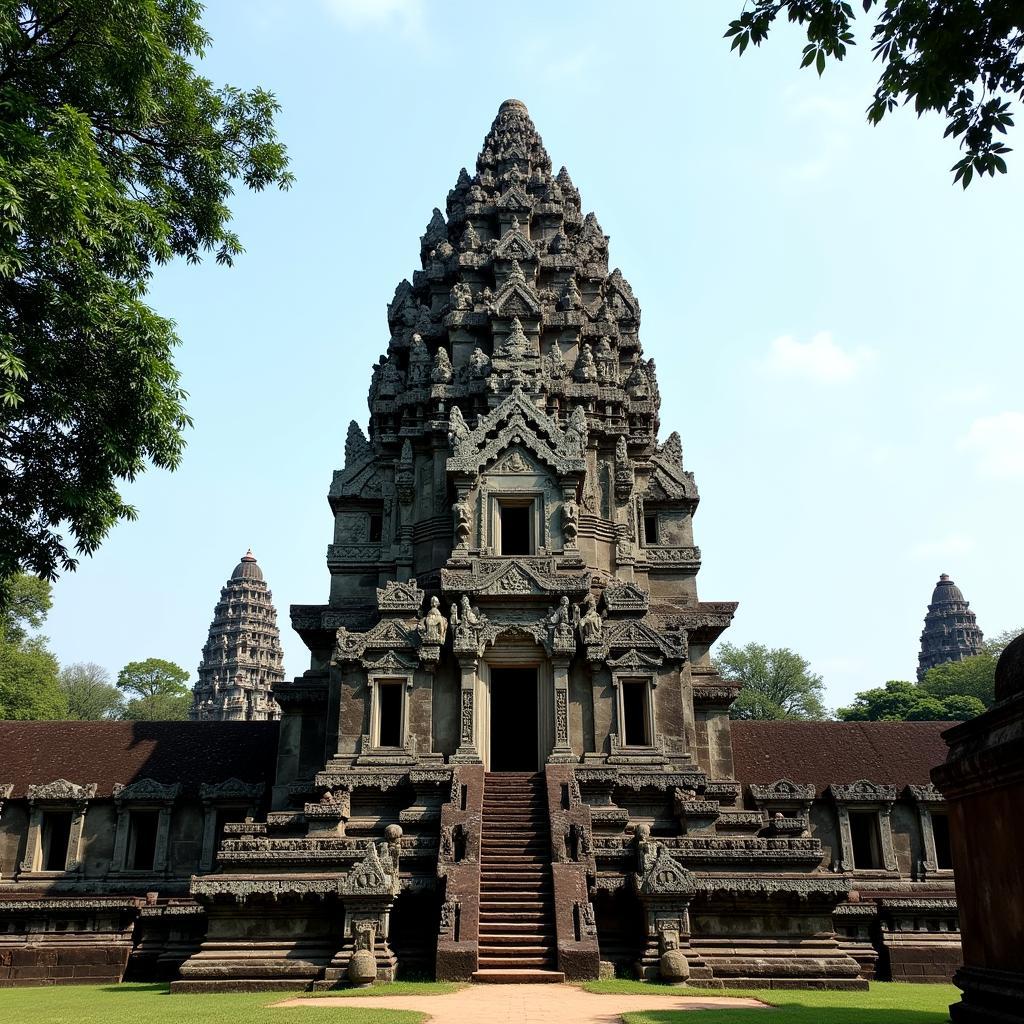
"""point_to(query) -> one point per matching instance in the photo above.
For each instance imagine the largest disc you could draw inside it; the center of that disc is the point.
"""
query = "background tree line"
(778, 684)
(34, 686)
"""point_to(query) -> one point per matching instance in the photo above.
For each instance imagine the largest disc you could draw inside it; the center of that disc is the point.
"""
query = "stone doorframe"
(143, 795)
(928, 799)
(525, 655)
(864, 796)
(232, 794)
(59, 795)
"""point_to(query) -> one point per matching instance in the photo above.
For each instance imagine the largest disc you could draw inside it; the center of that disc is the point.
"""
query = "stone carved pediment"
(400, 597)
(633, 660)
(929, 794)
(368, 877)
(620, 596)
(146, 790)
(633, 633)
(863, 791)
(391, 662)
(386, 635)
(514, 245)
(512, 577)
(517, 422)
(362, 480)
(516, 298)
(514, 462)
(231, 789)
(666, 877)
(781, 791)
(516, 199)
(62, 790)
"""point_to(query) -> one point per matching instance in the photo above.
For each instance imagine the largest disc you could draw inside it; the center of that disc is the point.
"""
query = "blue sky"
(833, 322)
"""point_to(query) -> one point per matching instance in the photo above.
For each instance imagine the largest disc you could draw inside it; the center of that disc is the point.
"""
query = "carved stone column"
(561, 752)
(468, 751)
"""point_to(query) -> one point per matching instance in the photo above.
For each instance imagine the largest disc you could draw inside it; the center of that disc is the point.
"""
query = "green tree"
(115, 156)
(902, 701)
(971, 677)
(28, 670)
(777, 683)
(156, 690)
(963, 60)
(90, 694)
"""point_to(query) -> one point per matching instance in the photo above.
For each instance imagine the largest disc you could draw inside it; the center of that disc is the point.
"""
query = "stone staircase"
(517, 914)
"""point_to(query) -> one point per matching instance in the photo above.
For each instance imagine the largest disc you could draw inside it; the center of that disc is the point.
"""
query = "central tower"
(511, 541)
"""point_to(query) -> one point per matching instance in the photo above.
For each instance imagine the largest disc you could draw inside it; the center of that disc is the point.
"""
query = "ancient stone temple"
(242, 657)
(511, 756)
(951, 630)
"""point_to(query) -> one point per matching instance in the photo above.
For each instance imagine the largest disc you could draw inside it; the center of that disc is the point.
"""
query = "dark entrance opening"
(634, 711)
(513, 720)
(867, 849)
(142, 846)
(56, 837)
(943, 847)
(515, 530)
(390, 697)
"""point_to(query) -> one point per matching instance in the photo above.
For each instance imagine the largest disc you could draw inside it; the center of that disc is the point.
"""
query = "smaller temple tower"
(242, 657)
(951, 630)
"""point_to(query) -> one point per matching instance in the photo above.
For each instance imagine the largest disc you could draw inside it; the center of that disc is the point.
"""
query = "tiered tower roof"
(951, 630)
(242, 657)
(514, 291)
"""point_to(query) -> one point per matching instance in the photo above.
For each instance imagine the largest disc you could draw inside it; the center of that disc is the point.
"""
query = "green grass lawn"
(151, 1004)
(883, 1003)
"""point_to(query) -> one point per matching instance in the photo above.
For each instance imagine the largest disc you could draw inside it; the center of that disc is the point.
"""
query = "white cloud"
(997, 443)
(407, 15)
(943, 549)
(819, 359)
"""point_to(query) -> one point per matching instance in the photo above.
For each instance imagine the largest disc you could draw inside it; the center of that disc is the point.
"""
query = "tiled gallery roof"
(896, 753)
(110, 752)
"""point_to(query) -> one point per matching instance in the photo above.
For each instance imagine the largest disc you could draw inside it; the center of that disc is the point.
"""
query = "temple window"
(867, 851)
(515, 527)
(636, 713)
(389, 713)
(56, 836)
(142, 835)
(651, 528)
(864, 811)
(376, 527)
(943, 848)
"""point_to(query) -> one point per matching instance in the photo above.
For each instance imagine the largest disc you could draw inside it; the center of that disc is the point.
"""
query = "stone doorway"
(513, 720)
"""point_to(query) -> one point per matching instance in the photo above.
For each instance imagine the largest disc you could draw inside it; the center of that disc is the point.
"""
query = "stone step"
(518, 977)
(520, 962)
(490, 938)
(529, 884)
(495, 952)
(527, 914)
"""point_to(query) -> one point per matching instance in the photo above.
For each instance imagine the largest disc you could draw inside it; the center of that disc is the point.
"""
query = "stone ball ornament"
(673, 966)
(362, 968)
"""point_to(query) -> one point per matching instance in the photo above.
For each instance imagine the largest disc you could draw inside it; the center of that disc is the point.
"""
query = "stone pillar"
(469, 747)
(983, 783)
(561, 752)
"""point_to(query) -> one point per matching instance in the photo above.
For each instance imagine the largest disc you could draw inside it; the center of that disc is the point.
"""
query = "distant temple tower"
(951, 630)
(242, 657)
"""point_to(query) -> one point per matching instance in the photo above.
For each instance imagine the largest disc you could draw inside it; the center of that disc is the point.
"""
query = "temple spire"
(951, 630)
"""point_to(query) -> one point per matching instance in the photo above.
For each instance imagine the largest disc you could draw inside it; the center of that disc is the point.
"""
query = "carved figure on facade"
(463, 514)
(442, 371)
(570, 521)
(433, 627)
(591, 621)
(585, 370)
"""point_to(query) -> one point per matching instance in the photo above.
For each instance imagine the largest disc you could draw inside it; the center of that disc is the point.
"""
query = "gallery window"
(866, 840)
(142, 833)
(943, 848)
(55, 839)
(515, 526)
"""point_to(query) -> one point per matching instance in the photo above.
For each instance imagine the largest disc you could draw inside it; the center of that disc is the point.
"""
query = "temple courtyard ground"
(411, 1003)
